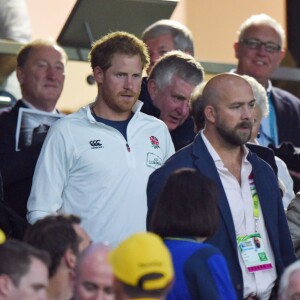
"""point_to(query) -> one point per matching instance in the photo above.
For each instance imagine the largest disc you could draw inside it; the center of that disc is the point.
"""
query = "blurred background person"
(14, 26)
(261, 111)
(142, 268)
(259, 51)
(63, 238)
(41, 73)
(23, 272)
(94, 277)
(289, 286)
(165, 35)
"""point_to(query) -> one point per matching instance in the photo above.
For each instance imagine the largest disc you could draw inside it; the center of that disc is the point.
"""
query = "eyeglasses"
(257, 44)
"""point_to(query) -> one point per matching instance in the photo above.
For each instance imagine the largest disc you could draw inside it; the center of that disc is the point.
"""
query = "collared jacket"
(287, 108)
(17, 167)
(87, 168)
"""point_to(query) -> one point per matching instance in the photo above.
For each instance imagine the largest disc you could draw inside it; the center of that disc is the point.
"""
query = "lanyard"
(255, 200)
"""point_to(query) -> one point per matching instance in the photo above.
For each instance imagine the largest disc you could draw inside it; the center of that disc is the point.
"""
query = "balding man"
(249, 199)
(167, 35)
(41, 73)
(94, 276)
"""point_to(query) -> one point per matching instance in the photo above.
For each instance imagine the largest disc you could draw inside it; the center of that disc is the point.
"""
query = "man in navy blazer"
(219, 152)
(259, 51)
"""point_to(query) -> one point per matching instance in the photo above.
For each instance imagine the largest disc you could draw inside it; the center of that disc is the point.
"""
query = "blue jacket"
(197, 156)
(201, 272)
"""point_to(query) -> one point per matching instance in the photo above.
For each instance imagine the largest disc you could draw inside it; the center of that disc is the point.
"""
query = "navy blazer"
(287, 108)
(197, 156)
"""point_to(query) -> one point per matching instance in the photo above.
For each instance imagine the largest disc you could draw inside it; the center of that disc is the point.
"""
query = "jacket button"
(238, 286)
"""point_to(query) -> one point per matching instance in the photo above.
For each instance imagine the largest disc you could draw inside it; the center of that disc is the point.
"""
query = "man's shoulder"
(6, 113)
(66, 124)
(11, 111)
(284, 94)
(261, 166)
(5, 110)
(151, 119)
(266, 154)
(8, 116)
(180, 159)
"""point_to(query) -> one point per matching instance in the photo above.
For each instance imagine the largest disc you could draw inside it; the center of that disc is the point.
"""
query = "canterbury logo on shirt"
(96, 144)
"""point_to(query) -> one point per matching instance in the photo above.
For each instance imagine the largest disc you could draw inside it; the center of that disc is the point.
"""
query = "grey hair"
(176, 63)
(197, 105)
(285, 279)
(259, 94)
(261, 19)
(182, 36)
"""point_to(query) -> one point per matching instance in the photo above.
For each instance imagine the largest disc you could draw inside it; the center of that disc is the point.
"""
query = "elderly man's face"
(158, 46)
(258, 63)
(172, 101)
(42, 77)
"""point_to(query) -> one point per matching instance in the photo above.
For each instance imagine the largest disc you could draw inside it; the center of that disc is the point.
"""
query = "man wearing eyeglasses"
(259, 51)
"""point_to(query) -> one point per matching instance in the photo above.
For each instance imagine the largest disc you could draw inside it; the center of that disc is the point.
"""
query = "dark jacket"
(287, 108)
(17, 167)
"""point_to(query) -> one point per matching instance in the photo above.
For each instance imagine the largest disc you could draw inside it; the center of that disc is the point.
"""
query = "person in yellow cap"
(142, 268)
(2, 237)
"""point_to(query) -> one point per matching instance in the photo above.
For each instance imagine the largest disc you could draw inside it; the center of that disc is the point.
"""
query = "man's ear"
(20, 75)
(281, 56)
(152, 89)
(236, 50)
(98, 74)
(70, 258)
(6, 286)
(210, 113)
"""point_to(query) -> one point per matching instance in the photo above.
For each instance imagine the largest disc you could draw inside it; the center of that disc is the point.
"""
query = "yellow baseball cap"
(139, 255)
(2, 237)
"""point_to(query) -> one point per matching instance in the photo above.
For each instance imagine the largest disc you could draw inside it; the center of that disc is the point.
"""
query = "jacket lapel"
(205, 164)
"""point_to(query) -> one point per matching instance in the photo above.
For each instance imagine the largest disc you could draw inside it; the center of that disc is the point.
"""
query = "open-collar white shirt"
(240, 201)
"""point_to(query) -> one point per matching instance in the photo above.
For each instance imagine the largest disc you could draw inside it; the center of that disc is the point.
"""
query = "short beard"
(231, 136)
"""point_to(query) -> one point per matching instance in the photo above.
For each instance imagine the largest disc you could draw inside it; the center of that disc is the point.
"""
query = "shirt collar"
(269, 87)
(34, 108)
(215, 156)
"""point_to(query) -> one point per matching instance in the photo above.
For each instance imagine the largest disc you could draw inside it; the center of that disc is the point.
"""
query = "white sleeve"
(287, 180)
(50, 176)
(14, 21)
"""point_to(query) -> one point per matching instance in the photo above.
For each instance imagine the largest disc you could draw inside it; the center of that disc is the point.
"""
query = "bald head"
(94, 277)
(223, 85)
(228, 107)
